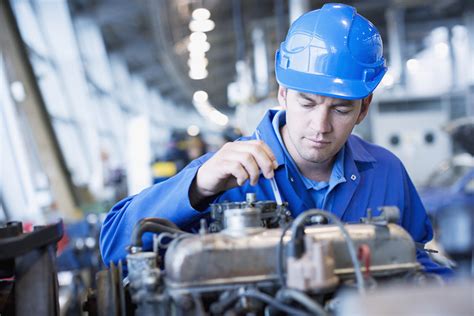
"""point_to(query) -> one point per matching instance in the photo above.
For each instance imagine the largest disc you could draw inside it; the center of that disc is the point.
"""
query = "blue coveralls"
(375, 177)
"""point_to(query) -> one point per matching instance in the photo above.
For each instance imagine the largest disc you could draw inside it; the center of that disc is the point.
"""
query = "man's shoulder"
(366, 151)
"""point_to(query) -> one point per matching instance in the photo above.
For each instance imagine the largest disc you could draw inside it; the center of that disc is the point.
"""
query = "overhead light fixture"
(198, 37)
(218, 118)
(201, 14)
(413, 64)
(193, 130)
(196, 63)
(201, 26)
(198, 74)
(200, 96)
(202, 105)
(196, 54)
(199, 46)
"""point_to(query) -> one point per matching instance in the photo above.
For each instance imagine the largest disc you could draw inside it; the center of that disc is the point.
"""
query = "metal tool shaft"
(276, 191)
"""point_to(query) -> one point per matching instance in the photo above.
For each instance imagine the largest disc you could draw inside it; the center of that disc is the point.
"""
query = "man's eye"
(342, 111)
(306, 105)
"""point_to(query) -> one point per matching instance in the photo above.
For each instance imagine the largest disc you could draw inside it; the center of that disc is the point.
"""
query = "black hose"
(303, 299)
(162, 221)
(223, 304)
(220, 307)
(154, 225)
(280, 257)
(273, 302)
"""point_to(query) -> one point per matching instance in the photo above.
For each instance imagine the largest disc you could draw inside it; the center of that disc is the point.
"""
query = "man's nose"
(321, 121)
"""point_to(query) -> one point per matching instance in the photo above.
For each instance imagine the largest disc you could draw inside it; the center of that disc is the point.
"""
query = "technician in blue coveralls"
(327, 69)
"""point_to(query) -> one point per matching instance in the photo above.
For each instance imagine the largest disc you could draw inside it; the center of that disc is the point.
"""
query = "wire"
(273, 302)
(281, 275)
(198, 304)
(299, 222)
(303, 299)
(220, 306)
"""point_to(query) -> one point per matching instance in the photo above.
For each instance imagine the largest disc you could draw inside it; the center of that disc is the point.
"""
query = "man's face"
(317, 126)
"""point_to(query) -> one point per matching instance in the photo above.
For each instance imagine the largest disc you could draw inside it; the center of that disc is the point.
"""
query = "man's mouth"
(319, 143)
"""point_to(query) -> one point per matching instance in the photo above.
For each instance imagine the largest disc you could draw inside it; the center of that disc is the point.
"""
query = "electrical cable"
(223, 304)
(280, 257)
(303, 299)
(298, 224)
(273, 302)
(198, 305)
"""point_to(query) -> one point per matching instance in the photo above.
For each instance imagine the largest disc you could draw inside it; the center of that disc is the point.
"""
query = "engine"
(253, 259)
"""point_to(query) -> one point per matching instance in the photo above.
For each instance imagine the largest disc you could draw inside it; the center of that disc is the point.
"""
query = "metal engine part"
(271, 214)
(240, 269)
(228, 258)
(144, 277)
(314, 271)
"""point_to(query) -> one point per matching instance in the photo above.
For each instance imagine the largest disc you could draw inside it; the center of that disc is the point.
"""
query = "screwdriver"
(273, 183)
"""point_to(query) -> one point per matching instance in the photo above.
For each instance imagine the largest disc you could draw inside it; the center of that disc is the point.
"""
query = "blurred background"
(99, 99)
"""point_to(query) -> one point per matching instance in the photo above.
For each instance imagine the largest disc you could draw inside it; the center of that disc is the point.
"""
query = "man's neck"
(316, 171)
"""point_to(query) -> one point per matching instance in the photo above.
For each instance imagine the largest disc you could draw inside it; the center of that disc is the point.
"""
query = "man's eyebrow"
(304, 96)
(344, 104)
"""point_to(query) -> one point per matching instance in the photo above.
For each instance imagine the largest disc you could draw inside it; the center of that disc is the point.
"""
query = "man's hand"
(230, 167)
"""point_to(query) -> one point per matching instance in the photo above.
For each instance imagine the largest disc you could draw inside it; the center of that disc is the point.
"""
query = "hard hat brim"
(326, 85)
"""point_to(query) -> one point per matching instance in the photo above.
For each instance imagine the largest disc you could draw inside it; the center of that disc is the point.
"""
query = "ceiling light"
(200, 96)
(196, 54)
(197, 62)
(201, 26)
(198, 74)
(198, 37)
(413, 64)
(218, 117)
(201, 14)
(199, 46)
(193, 130)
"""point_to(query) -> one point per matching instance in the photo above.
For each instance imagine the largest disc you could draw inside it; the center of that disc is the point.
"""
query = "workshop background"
(100, 99)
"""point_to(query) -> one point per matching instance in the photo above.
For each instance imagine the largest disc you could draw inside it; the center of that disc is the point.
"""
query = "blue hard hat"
(334, 52)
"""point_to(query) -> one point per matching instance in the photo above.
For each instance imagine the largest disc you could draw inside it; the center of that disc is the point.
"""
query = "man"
(327, 69)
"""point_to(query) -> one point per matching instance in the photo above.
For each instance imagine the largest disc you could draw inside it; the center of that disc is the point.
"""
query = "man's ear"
(282, 91)
(364, 108)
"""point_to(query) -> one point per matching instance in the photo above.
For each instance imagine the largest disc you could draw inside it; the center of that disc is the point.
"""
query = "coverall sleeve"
(416, 222)
(168, 199)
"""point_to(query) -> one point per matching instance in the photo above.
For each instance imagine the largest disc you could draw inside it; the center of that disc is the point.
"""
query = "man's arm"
(168, 199)
(183, 198)
(416, 222)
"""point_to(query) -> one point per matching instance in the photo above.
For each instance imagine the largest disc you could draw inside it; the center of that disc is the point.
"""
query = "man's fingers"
(269, 153)
(239, 173)
(264, 160)
(248, 162)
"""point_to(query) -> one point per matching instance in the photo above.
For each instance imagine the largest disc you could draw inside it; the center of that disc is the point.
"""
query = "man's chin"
(317, 159)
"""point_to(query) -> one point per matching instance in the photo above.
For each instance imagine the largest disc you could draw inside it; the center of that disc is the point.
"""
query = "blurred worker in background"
(182, 149)
(327, 69)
